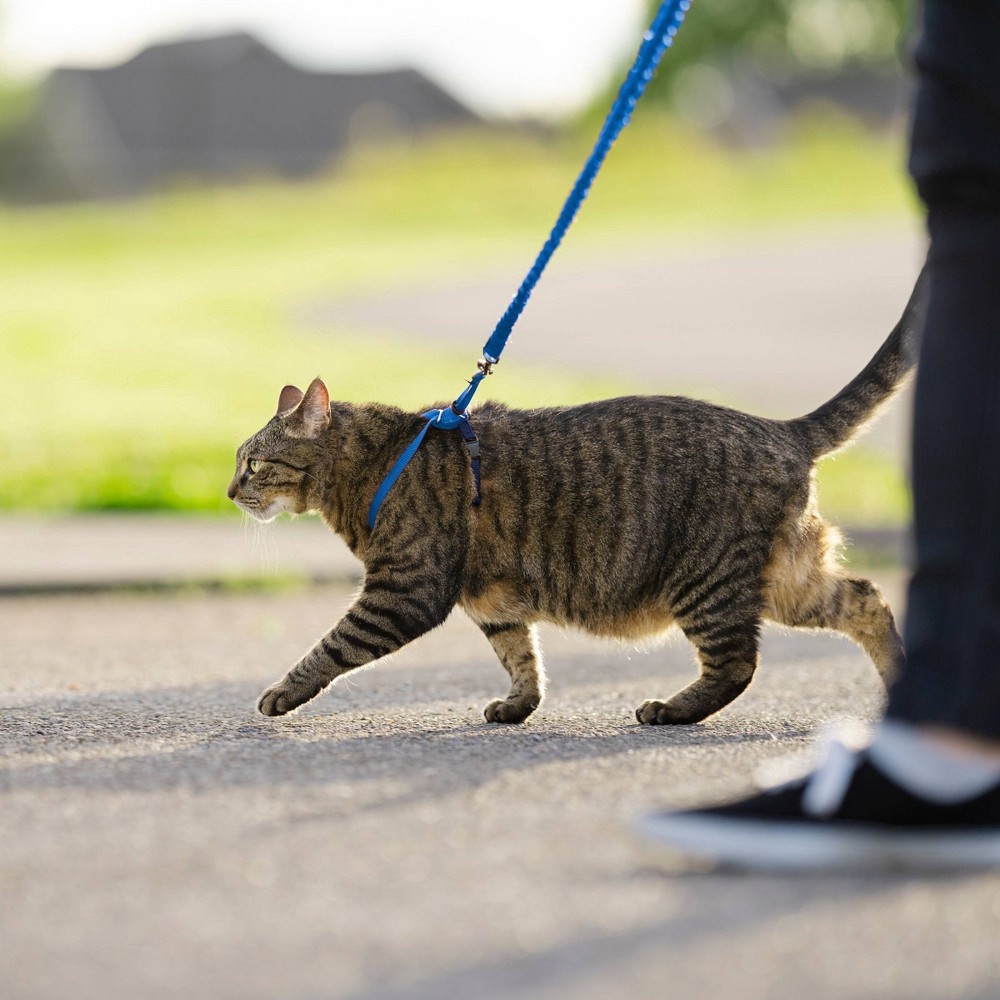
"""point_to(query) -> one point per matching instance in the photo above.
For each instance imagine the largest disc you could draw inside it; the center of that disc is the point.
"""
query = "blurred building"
(209, 108)
(740, 103)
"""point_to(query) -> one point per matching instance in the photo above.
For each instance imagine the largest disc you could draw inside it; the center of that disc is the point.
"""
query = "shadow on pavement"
(205, 739)
(650, 956)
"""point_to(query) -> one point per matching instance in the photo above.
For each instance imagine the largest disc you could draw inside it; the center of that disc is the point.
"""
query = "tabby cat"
(622, 517)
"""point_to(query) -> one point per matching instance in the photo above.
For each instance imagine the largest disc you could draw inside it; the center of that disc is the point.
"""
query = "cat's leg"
(727, 653)
(805, 586)
(518, 650)
(855, 607)
(383, 618)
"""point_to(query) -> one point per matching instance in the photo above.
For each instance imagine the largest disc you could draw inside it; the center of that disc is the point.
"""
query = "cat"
(622, 517)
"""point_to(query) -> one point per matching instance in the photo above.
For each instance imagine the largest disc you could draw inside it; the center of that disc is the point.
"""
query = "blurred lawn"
(142, 341)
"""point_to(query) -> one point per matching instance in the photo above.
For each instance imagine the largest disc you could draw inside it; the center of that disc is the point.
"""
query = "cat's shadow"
(204, 738)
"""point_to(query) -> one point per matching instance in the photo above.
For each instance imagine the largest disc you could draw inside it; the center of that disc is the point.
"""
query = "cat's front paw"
(285, 696)
(508, 711)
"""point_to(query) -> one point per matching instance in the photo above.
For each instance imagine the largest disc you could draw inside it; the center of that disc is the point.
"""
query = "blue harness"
(656, 41)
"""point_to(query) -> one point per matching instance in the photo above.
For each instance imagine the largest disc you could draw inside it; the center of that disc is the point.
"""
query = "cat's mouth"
(252, 507)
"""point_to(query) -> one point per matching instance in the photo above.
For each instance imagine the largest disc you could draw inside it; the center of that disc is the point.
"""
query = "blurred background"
(202, 200)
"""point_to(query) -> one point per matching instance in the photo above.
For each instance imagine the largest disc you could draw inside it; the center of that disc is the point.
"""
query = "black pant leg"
(952, 635)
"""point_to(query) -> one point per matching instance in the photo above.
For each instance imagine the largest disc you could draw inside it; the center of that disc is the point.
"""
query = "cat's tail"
(836, 422)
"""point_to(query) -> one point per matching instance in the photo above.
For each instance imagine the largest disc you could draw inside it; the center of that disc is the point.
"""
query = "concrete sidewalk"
(101, 552)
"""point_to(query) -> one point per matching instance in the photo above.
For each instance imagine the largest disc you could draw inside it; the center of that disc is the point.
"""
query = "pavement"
(158, 839)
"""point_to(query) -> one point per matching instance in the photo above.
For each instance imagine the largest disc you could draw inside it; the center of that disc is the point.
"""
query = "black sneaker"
(845, 815)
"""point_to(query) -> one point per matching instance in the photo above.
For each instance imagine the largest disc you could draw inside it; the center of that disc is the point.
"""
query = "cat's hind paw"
(508, 711)
(660, 713)
(284, 697)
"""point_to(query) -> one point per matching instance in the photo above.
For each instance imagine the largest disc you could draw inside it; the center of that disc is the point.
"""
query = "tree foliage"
(15, 98)
(15, 104)
(806, 36)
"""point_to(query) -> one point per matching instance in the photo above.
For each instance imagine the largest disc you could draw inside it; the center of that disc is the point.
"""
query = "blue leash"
(656, 41)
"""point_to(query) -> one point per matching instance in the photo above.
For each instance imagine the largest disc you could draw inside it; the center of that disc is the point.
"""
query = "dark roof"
(228, 105)
(213, 52)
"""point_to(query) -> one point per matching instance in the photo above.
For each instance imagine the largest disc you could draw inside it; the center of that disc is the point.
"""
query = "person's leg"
(927, 791)
(952, 636)
(949, 693)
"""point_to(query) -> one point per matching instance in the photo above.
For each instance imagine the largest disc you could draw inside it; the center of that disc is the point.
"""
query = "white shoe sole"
(780, 846)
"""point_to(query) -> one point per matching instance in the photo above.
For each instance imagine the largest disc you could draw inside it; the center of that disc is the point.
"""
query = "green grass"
(861, 488)
(141, 342)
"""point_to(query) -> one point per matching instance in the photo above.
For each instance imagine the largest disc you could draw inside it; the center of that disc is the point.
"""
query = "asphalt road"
(157, 840)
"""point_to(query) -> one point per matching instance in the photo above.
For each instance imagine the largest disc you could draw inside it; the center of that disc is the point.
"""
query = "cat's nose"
(231, 492)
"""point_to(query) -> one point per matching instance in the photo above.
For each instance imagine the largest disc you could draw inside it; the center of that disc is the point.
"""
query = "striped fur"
(623, 517)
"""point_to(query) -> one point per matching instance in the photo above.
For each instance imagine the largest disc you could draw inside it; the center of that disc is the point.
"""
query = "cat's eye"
(253, 464)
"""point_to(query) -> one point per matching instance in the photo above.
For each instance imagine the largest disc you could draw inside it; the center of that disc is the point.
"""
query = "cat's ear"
(314, 410)
(290, 397)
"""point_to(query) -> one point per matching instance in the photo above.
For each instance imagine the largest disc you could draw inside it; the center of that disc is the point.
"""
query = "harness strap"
(472, 446)
(446, 419)
(394, 473)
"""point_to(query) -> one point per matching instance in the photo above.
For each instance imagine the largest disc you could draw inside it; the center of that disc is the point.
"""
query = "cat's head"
(278, 466)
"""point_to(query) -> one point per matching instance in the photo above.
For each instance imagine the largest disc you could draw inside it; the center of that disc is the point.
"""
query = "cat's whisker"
(270, 547)
(256, 548)
(264, 545)
(262, 540)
